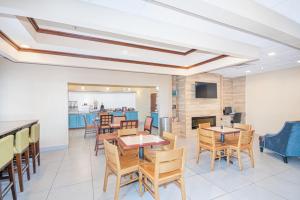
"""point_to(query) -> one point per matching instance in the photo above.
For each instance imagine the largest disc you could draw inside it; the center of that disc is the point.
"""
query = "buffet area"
(88, 101)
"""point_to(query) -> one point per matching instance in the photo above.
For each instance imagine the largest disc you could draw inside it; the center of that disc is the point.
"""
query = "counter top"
(7, 127)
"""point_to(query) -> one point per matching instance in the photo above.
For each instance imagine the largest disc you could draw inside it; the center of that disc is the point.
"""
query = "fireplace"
(206, 119)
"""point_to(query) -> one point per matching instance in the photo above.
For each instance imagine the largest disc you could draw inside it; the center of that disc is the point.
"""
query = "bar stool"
(22, 148)
(34, 145)
(6, 162)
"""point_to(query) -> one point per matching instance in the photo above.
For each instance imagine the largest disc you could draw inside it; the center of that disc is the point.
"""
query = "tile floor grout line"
(270, 191)
(56, 175)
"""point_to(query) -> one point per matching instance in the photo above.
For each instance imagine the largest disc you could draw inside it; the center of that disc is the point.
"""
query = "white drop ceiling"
(246, 38)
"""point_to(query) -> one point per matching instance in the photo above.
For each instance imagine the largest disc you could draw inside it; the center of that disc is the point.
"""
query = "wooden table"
(11, 127)
(223, 131)
(141, 141)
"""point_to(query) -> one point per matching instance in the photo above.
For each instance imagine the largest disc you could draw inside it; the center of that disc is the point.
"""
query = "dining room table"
(140, 141)
(222, 130)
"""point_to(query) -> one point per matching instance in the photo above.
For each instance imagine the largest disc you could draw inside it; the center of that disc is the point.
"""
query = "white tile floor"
(77, 174)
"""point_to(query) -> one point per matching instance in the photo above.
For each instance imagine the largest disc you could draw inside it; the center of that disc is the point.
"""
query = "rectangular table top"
(223, 130)
(129, 142)
(8, 127)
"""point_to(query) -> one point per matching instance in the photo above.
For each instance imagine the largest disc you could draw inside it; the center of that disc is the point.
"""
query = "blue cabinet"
(117, 114)
(132, 115)
(154, 116)
(77, 120)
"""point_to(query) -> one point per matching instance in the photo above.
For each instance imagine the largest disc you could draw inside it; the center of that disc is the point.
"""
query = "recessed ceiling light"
(271, 54)
(298, 61)
(157, 88)
(262, 68)
(248, 71)
(129, 89)
(82, 87)
(107, 89)
(25, 46)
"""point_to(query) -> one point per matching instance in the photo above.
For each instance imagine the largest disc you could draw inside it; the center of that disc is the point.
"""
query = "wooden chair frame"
(167, 167)
(150, 125)
(245, 144)
(89, 129)
(128, 124)
(105, 121)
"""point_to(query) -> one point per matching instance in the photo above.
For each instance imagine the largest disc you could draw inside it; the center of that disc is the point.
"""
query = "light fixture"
(248, 71)
(262, 68)
(157, 88)
(298, 61)
(271, 54)
(82, 87)
(107, 89)
(25, 46)
(129, 89)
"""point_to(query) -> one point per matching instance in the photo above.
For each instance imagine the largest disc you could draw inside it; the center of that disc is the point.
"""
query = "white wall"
(31, 91)
(273, 98)
(109, 99)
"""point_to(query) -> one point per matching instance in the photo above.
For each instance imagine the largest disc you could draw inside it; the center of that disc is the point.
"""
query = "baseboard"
(54, 148)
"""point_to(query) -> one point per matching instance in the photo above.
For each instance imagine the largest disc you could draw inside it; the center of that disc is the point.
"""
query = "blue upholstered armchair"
(286, 143)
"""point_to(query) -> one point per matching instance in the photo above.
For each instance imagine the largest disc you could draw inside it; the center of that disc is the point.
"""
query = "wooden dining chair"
(168, 167)
(127, 132)
(89, 128)
(244, 144)
(206, 141)
(6, 164)
(233, 138)
(150, 153)
(148, 124)
(118, 119)
(127, 124)
(21, 151)
(204, 125)
(119, 166)
(105, 121)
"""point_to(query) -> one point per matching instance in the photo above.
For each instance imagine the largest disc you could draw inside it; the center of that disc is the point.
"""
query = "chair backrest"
(112, 156)
(127, 124)
(6, 149)
(246, 138)
(243, 127)
(169, 161)
(204, 125)
(127, 131)
(118, 119)
(237, 118)
(172, 139)
(22, 140)
(206, 137)
(35, 133)
(105, 119)
(148, 124)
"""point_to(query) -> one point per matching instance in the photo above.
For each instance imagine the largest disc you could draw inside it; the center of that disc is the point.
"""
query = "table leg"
(141, 153)
(222, 138)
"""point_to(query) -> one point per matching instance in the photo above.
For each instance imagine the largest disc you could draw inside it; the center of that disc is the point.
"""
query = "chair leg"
(251, 157)
(33, 152)
(239, 159)
(118, 185)
(38, 152)
(285, 159)
(10, 169)
(212, 160)
(261, 149)
(228, 156)
(182, 189)
(198, 154)
(19, 170)
(96, 148)
(26, 153)
(140, 183)
(105, 179)
(156, 194)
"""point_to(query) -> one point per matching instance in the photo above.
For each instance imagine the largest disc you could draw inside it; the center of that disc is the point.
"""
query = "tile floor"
(77, 174)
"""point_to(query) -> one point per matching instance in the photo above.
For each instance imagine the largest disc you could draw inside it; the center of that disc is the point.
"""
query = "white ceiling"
(173, 25)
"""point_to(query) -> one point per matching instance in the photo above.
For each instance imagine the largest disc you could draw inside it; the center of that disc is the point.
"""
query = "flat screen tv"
(205, 90)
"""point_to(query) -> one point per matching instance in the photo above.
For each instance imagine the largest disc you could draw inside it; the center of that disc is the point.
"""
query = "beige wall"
(31, 91)
(273, 98)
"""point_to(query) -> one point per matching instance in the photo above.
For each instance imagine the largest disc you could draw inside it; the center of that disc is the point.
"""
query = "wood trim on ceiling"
(102, 40)
(60, 53)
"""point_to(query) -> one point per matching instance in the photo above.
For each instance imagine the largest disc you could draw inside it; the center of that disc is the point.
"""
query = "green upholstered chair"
(34, 145)
(21, 149)
(6, 163)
